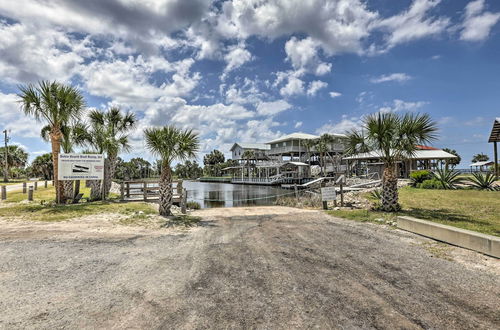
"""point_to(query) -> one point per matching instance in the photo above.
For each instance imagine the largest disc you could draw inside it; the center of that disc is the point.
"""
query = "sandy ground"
(265, 267)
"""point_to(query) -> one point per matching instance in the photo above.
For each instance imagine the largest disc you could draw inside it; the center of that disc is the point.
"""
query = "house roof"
(488, 162)
(300, 136)
(419, 154)
(259, 146)
(426, 148)
(495, 131)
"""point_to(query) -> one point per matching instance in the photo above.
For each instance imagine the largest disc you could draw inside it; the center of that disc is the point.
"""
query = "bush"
(430, 184)
(418, 177)
(193, 205)
(484, 181)
(449, 179)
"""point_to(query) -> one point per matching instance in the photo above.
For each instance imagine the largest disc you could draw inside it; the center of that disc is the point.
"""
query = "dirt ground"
(265, 267)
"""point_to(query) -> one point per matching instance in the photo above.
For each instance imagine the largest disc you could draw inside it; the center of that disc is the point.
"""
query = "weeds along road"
(251, 268)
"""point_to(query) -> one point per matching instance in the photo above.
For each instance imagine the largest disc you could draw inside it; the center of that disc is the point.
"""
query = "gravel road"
(265, 268)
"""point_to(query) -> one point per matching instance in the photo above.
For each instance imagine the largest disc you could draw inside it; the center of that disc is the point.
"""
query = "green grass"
(42, 208)
(468, 209)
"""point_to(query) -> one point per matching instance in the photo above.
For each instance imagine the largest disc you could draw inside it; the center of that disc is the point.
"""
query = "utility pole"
(6, 154)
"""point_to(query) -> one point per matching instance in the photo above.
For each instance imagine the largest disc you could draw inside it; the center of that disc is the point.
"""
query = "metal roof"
(488, 162)
(419, 154)
(495, 131)
(301, 136)
(258, 146)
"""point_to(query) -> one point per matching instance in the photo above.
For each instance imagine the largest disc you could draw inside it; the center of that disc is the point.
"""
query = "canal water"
(213, 194)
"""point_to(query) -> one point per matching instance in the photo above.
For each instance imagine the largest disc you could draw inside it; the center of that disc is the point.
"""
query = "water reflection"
(211, 194)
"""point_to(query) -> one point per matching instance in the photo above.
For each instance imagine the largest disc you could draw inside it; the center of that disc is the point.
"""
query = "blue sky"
(250, 71)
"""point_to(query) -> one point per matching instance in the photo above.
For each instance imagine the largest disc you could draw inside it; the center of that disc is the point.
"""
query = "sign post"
(328, 194)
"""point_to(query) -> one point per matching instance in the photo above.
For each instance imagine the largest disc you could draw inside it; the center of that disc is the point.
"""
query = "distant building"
(425, 158)
(259, 149)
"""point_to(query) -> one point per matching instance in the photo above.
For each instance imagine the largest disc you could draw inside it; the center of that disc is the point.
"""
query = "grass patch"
(468, 209)
(39, 212)
(41, 209)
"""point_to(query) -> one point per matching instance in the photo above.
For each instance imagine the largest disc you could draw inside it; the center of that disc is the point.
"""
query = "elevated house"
(259, 151)
(425, 158)
(495, 138)
(288, 159)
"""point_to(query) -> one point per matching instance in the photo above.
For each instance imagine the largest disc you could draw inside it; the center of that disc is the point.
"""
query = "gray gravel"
(291, 270)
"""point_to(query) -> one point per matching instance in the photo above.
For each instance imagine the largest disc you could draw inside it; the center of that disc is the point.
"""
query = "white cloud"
(294, 86)
(346, 124)
(413, 24)
(400, 105)
(478, 23)
(315, 86)
(29, 53)
(235, 58)
(298, 124)
(335, 94)
(303, 54)
(13, 119)
(399, 77)
(272, 108)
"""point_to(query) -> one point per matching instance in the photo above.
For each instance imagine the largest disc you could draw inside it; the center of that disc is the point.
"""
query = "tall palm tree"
(116, 127)
(247, 155)
(394, 138)
(67, 143)
(57, 105)
(107, 132)
(323, 145)
(170, 143)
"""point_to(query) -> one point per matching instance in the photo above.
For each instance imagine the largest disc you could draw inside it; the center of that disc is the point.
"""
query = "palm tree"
(323, 145)
(107, 132)
(170, 143)
(247, 155)
(116, 127)
(394, 138)
(58, 105)
(67, 142)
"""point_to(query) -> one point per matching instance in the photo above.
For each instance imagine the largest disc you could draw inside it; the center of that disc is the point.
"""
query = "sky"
(253, 70)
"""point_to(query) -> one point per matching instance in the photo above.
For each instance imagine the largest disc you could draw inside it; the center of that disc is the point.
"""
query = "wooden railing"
(150, 191)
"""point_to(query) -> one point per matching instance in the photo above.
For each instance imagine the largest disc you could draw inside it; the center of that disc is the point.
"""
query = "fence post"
(4, 192)
(36, 185)
(179, 187)
(24, 187)
(145, 190)
(183, 201)
(45, 184)
(325, 203)
(30, 193)
(52, 183)
(122, 191)
(296, 193)
(341, 194)
(128, 189)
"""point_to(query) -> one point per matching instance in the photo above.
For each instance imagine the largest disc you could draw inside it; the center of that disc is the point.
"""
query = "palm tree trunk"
(95, 189)
(68, 190)
(389, 190)
(110, 165)
(55, 140)
(165, 190)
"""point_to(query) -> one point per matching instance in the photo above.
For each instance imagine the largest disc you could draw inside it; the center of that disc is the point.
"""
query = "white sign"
(81, 167)
(328, 194)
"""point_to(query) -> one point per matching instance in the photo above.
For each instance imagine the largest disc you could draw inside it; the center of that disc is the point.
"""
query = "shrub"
(193, 205)
(448, 178)
(376, 194)
(430, 184)
(484, 181)
(418, 177)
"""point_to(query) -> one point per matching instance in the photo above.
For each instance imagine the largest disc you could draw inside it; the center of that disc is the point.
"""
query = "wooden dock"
(148, 191)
